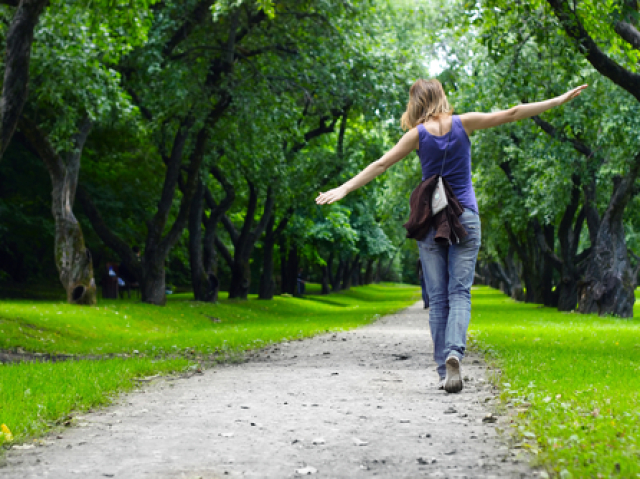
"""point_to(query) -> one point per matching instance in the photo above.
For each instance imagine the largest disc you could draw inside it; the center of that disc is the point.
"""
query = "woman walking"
(441, 140)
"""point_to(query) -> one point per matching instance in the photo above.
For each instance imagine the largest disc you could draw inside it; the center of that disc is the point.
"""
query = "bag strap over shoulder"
(447, 148)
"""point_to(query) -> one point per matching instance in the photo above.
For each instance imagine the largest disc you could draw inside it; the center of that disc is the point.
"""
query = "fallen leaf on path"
(6, 433)
(425, 462)
(359, 442)
(318, 441)
(226, 434)
(305, 471)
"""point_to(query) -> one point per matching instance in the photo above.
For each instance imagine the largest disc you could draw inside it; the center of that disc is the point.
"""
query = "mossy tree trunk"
(72, 258)
(609, 282)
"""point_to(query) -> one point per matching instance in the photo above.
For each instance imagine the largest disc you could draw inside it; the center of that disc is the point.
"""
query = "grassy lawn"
(575, 379)
(33, 397)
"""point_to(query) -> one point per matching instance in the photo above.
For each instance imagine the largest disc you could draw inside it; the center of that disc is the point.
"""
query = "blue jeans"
(448, 272)
(425, 295)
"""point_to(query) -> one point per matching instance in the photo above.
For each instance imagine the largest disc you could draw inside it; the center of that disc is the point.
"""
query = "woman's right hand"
(571, 94)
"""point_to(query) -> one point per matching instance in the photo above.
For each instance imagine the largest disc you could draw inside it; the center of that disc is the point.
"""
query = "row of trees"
(558, 193)
(205, 129)
(202, 130)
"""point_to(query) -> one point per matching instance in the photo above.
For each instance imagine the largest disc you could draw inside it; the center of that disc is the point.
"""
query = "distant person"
(301, 282)
(126, 274)
(423, 285)
(442, 142)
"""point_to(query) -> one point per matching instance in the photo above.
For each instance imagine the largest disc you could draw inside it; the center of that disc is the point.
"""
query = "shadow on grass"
(325, 300)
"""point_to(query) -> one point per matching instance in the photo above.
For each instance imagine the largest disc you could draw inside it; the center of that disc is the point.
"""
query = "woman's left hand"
(331, 196)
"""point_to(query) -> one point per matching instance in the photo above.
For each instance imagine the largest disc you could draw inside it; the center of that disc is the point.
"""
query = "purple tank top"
(457, 167)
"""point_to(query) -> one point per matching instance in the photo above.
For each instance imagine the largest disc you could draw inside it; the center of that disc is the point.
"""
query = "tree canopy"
(201, 131)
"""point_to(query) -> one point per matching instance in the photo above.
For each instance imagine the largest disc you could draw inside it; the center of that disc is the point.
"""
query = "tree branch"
(224, 251)
(109, 238)
(606, 66)
(17, 59)
(231, 229)
(268, 211)
(73, 158)
(40, 143)
(546, 249)
(188, 190)
(156, 226)
(553, 132)
(200, 13)
(628, 33)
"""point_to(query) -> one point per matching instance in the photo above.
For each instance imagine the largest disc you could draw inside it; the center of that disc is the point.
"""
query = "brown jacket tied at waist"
(449, 230)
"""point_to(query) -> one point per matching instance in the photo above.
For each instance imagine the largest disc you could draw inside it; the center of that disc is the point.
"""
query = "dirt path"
(357, 404)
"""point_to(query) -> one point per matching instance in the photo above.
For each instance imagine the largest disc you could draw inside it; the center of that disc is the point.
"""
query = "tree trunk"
(199, 279)
(267, 284)
(325, 280)
(336, 285)
(240, 277)
(210, 260)
(292, 273)
(72, 258)
(549, 297)
(153, 286)
(569, 240)
(355, 272)
(378, 271)
(346, 275)
(608, 287)
(386, 274)
(283, 248)
(368, 274)
(330, 276)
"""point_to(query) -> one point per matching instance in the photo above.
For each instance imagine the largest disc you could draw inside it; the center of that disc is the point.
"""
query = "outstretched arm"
(480, 121)
(407, 143)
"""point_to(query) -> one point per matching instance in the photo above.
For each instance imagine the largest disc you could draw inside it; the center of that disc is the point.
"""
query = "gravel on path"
(356, 404)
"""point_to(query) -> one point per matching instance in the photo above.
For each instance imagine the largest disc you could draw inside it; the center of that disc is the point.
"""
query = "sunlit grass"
(122, 326)
(581, 375)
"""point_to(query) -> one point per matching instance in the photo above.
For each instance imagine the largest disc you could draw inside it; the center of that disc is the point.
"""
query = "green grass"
(576, 376)
(122, 326)
(36, 396)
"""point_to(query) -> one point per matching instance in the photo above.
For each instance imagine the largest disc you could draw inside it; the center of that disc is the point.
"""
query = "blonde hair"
(427, 100)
